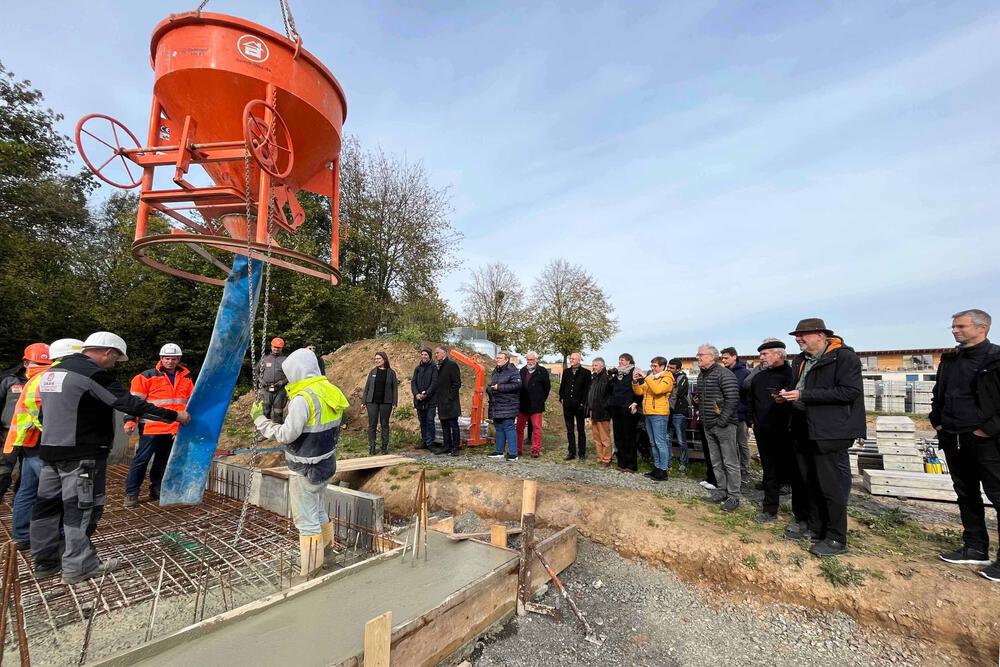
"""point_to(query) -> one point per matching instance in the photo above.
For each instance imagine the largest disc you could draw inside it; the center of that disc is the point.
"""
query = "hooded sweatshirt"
(312, 427)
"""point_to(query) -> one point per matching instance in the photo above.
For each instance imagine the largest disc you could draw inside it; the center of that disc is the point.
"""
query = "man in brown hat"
(828, 415)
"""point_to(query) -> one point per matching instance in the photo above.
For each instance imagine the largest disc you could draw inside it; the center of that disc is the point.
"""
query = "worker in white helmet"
(168, 385)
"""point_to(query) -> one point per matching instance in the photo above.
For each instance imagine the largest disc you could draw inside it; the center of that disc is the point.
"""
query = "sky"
(722, 169)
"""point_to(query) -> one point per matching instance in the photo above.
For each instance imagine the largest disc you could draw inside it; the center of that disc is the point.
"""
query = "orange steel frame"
(222, 199)
(476, 416)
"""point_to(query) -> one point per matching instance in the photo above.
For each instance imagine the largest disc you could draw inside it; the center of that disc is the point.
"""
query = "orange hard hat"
(37, 353)
(278, 342)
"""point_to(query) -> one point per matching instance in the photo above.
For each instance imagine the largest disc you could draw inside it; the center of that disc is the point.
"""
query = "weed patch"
(840, 574)
(751, 562)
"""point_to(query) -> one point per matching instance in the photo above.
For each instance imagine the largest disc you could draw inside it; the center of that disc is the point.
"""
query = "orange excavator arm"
(476, 416)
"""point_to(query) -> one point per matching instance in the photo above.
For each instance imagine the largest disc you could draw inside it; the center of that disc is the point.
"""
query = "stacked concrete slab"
(871, 395)
(920, 394)
(896, 439)
(892, 396)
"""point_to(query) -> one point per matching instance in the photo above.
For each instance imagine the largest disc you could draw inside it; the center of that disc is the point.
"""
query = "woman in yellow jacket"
(655, 390)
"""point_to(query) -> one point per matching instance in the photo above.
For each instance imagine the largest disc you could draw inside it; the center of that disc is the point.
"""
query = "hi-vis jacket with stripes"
(312, 426)
(155, 386)
(25, 425)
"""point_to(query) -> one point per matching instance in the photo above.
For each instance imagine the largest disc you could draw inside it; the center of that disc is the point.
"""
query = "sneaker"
(512, 458)
(966, 556)
(766, 517)
(682, 470)
(110, 565)
(652, 474)
(709, 486)
(730, 504)
(991, 571)
(827, 548)
(663, 476)
(131, 501)
(496, 456)
(717, 497)
(794, 530)
(43, 572)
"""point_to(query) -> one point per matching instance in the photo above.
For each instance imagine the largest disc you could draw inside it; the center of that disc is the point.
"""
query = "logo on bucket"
(253, 48)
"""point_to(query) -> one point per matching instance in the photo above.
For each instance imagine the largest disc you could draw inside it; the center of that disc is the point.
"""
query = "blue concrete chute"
(191, 457)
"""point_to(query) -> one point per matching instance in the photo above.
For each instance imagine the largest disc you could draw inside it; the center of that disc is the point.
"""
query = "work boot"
(730, 504)
(793, 531)
(329, 553)
(110, 565)
(310, 557)
(131, 501)
(766, 517)
(42, 571)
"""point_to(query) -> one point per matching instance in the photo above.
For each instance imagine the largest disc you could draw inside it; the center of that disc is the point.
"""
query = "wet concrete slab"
(325, 625)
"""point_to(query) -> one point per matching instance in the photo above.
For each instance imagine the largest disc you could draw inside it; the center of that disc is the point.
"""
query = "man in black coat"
(828, 415)
(573, 392)
(535, 387)
(449, 382)
(770, 421)
(965, 411)
(423, 385)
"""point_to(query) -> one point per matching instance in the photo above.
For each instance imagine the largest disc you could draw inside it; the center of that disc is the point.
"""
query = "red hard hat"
(37, 353)
(278, 342)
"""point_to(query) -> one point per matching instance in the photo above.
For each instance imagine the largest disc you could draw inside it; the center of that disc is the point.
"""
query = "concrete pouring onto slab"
(325, 624)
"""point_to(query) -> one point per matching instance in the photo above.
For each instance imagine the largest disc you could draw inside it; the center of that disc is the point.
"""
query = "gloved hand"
(257, 410)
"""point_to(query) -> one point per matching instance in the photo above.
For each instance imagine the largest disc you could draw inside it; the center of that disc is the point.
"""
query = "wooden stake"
(524, 573)
(529, 492)
(498, 535)
(378, 640)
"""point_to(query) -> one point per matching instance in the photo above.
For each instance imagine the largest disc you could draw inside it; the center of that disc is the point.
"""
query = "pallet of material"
(915, 485)
(894, 424)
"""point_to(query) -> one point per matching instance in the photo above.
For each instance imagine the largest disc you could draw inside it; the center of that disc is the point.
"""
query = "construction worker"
(273, 381)
(310, 433)
(11, 386)
(168, 385)
(24, 435)
(79, 397)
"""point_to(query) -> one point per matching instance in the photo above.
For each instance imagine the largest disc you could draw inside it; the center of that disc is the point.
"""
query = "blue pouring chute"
(187, 470)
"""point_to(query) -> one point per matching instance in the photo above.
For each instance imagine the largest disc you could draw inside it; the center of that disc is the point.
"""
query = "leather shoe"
(827, 548)
(569, 457)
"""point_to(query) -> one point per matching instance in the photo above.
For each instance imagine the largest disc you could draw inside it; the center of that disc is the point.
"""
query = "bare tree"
(494, 302)
(572, 313)
(399, 240)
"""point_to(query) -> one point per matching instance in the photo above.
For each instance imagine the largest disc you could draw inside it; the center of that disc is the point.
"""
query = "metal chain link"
(286, 16)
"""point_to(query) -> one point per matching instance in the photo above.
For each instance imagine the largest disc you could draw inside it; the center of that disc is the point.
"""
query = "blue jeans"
(679, 424)
(506, 437)
(157, 448)
(426, 418)
(659, 439)
(31, 470)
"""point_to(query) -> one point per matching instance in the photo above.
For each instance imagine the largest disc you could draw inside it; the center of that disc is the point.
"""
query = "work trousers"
(743, 444)
(151, 447)
(825, 469)
(973, 463)
(7, 464)
(624, 424)
(451, 436)
(575, 417)
(678, 425)
(426, 418)
(74, 492)
(725, 457)
(506, 437)
(534, 432)
(274, 403)
(308, 501)
(777, 458)
(657, 426)
(24, 500)
(378, 417)
(600, 431)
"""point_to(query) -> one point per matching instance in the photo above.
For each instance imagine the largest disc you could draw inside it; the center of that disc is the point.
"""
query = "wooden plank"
(498, 535)
(371, 462)
(529, 494)
(479, 536)
(445, 525)
(559, 551)
(378, 639)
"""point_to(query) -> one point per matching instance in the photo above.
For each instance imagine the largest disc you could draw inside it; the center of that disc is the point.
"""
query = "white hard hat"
(171, 350)
(65, 347)
(106, 339)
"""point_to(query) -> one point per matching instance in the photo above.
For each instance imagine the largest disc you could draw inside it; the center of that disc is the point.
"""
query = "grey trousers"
(72, 491)
(743, 443)
(724, 451)
(378, 416)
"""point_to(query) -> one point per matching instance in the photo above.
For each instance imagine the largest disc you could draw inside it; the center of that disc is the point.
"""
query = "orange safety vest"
(154, 386)
(25, 427)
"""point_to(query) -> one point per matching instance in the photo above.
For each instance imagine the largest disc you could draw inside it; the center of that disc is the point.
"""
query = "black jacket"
(833, 395)
(448, 385)
(599, 396)
(622, 395)
(765, 412)
(574, 387)
(10, 390)
(425, 378)
(681, 395)
(956, 405)
(391, 395)
(535, 390)
(988, 389)
(504, 400)
(719, 397)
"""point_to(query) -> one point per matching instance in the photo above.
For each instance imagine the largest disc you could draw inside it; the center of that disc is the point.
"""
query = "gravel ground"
(649, 618)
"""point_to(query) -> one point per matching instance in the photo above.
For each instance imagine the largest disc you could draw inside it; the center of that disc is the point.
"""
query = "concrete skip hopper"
(440, 605)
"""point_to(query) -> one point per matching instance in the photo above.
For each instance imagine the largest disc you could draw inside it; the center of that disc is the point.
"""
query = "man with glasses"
(828, 415)
(719, 398)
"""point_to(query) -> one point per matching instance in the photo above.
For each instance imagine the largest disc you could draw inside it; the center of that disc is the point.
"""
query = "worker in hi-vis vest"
(11, 386)
(273, 381)
(310, 433)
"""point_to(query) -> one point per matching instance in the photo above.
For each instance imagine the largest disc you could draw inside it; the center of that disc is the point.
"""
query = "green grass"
(750, 562)
(797, 560)
(840, 574)
(669, 513)
(746, 539)
(898, 533)
(772, 556)
(651, 523)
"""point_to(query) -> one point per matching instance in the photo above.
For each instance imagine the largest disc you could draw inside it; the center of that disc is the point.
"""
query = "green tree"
(494, 302)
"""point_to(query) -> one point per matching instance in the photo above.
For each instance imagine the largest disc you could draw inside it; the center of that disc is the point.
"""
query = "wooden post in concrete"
(498, 535)
(528, 494)
(524, 573)
(378, 640)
